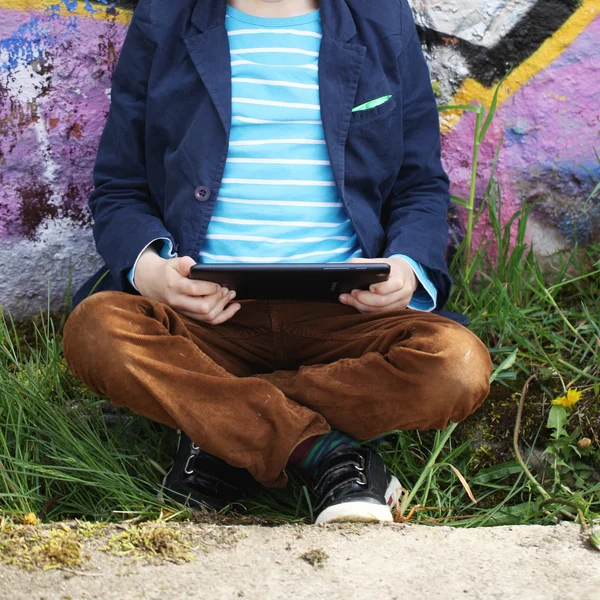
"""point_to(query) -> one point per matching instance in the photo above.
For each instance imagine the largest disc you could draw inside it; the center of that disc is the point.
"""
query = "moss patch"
(34, 548)
(151, 541)
(316, 557)
(62, 545)
(90, 530)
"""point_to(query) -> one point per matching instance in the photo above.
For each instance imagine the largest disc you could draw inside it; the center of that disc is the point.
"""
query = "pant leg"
(368, 374)
(145, 356)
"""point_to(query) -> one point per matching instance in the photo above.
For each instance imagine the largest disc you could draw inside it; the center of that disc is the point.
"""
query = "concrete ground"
(336, 562)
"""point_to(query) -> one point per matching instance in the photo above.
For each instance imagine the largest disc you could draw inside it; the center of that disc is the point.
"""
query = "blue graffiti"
(31, 40)
(70, 5)
(25, 45)
(89, 8)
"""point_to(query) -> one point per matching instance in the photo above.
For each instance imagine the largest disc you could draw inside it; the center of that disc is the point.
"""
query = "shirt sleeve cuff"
(165, 251)
(425, 296)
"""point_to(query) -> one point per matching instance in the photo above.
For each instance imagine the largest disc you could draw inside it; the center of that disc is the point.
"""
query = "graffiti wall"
(548, 120)
(56, 62)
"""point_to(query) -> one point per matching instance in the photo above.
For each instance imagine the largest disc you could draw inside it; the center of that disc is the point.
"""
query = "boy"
(274, 131)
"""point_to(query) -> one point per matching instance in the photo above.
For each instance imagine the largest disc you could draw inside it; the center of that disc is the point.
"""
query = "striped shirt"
(278, 201)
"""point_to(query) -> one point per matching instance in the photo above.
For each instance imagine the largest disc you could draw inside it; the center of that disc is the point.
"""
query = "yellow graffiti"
(121, 15)
(472, 91)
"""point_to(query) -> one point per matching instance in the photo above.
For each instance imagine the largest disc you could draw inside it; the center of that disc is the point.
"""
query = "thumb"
(183, 265)
(360, 260)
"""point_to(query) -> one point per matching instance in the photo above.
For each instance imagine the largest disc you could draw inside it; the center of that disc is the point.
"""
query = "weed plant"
(61, 457)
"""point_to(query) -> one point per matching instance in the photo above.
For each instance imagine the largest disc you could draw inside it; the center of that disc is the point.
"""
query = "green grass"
(57, 457)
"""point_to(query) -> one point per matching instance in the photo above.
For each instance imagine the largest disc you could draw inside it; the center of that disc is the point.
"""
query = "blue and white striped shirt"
(278, 201)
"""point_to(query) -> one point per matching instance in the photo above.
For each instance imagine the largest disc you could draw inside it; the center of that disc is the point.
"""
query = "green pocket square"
(371, 103)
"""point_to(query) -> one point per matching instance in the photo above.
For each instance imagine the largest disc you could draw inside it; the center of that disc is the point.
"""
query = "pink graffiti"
(550, 129)
(55, 73)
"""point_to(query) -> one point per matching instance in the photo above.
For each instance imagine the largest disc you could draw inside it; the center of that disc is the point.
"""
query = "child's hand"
(395, 293)
(167, 281)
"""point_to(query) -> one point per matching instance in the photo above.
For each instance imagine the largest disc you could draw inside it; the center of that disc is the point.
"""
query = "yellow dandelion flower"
(570, 400)
(30, 519)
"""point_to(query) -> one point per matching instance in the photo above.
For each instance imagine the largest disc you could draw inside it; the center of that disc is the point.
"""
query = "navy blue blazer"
(163, 150)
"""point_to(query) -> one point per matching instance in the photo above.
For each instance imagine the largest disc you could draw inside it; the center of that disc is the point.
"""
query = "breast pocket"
(376, 108)
(374, 147)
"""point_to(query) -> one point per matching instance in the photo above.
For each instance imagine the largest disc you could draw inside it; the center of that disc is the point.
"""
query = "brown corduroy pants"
(251, 389)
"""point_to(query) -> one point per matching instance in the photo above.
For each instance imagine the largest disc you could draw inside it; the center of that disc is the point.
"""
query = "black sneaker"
(200, 479)
(353, 485)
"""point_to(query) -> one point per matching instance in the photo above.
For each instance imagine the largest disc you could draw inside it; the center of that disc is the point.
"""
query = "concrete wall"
(56, 61)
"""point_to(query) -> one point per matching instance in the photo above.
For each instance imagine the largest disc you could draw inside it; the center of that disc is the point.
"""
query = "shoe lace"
(226, 480)
(338, 474)
(189, 467)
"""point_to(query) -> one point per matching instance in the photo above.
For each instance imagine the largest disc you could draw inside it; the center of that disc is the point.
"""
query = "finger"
(364, 308)
(183, 265)
(360, 260)
(202, 288)
(217, 302)
(350, 301)
(370, 299)
(181, 284)
(221, 317)
(199, 305)
(226, 314)
(219, 306)
(194, 289)
(390, 286)
(376, 309)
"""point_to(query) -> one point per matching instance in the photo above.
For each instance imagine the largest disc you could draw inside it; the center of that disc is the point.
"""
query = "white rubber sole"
(362, 512)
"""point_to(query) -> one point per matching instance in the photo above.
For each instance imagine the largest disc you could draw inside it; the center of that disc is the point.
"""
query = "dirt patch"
(490, 429)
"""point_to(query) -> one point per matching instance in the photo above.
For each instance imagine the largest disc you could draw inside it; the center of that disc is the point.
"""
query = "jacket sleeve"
(126, 219)
(416, 211)
(425, 296)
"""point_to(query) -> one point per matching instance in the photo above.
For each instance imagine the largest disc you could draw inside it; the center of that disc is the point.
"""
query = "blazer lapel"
(209, 50)
(340, 64)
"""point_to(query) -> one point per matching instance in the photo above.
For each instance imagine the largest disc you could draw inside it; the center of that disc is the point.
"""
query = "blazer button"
(202, 193)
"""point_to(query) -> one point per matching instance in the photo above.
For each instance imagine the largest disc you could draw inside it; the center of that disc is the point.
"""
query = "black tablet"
(318, 282)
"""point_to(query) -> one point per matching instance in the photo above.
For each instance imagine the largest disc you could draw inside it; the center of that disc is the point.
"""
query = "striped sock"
(311, 452)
